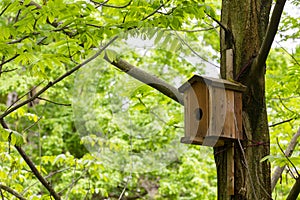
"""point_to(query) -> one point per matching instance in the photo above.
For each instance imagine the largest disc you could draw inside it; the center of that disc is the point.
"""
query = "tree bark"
(246, 24)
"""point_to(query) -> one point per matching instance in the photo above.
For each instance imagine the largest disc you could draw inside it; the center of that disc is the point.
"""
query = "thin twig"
(18, 40)
(125, 187)
(24, 95)
(3, 11)
(288, 152)
(61, 104)
(8, 70)
(287, 158)
(46, 177)
(11, 191)
(10, 59)
(156, 10)
(111, 6)
(32, 125)
(291, 55)
(247, 167)
(194, 52)
(282, 122)
(2, 197)
(287, 108)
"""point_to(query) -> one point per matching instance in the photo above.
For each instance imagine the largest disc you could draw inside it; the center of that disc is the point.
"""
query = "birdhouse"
(213, 111)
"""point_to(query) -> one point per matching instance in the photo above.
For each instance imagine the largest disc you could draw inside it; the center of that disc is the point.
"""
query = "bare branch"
(104, 4)
(7, 70)
(288, 152)
(11, 191)
(3, 11)
(282, 122)
(259, 62)
(24, 95)
(194, 52)
(156, 10)
(195, 30)
(288, 53)
(50, 84)
(8, 60)
(149, 79)
(218, 22)
(61, 104)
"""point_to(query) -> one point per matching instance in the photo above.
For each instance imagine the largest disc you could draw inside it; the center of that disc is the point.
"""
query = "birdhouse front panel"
(213, 111)
(197, 113)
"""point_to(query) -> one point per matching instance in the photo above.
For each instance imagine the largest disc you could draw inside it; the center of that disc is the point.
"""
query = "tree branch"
(34, 170)
(259, 62)
(56, 103)
(294, 193)
(156, 10)
(104, 4)
(149, 79)
(11, 191)
(282, 122)
(288, 152)
(50, 84)
(288, 159)
(8, 60)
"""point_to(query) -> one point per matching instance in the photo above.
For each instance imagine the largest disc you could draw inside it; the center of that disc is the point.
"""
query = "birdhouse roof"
(214, 82)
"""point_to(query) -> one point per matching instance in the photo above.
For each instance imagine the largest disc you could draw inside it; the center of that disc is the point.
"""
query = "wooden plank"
(229, 124)
(186, 99)
(217, 111)
(211, 142)
(230, 170)
(238, 114)
(229, 64)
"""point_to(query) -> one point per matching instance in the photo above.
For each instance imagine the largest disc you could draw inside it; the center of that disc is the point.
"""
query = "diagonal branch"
(259, 62)
(149, 79)
(155, 11)
(294, 193)
(50, 84)
(11, 191)
(287, 157)
(34, 170)
(288, 152)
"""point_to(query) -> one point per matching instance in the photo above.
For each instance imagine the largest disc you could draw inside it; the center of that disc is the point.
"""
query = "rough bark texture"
(246, 23)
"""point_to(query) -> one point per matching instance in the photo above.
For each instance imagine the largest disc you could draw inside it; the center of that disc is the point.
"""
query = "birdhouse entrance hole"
(199, 114)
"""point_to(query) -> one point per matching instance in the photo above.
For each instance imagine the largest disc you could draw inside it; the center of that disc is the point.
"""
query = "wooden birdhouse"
(213, 111)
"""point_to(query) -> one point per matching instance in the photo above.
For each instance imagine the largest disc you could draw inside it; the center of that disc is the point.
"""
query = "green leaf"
(158, 37)
(111, 55)
(14, 137)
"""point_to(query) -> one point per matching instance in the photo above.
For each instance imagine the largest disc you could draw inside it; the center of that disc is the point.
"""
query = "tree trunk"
(246, 23)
